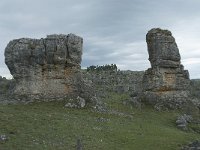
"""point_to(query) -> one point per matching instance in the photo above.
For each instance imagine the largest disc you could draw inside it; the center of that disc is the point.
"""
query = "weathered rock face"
(22, 56)
(47, 68)
(121, 82)
(166, 81)
(162, 49)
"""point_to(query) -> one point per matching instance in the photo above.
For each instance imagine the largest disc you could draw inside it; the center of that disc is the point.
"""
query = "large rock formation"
(166, 82)
(46, 68)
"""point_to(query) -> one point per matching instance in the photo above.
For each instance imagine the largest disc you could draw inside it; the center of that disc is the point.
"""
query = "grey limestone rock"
(192, 146)
(162, 48)
(166, 80)
(79, 102)
(3, 138)
(23, 56)
(183, 120)
(47, 68)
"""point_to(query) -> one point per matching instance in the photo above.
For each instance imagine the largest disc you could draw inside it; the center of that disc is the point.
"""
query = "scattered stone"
(71, 105)
(196, 102)
(77, 103)
(182, 121)
(101, 108)
(192, 146)
(3, 138)
(81, 102)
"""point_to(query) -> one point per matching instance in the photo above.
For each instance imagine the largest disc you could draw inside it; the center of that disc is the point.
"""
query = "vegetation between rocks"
(49, 125)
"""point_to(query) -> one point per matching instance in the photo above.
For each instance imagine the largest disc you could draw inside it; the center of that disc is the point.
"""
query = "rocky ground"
(114, 88)
(51, 125)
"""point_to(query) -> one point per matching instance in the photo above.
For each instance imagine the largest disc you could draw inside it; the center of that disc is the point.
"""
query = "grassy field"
(51, 126)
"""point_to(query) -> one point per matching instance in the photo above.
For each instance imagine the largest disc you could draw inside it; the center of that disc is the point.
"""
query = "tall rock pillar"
(166, 82)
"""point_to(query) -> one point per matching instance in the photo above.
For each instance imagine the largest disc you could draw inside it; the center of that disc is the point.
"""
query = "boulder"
(79, 102)
(3, 138)
(192, 146)
(183, 120)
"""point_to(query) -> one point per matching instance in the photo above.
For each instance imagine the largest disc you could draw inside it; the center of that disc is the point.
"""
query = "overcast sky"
(113, 30)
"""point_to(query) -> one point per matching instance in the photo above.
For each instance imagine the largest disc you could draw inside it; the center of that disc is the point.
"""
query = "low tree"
(112, 67)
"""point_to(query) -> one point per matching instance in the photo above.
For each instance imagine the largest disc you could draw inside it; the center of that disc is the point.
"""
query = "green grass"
(51, 126)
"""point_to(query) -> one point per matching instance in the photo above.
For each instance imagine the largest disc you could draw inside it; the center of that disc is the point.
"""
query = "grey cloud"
(113, 30)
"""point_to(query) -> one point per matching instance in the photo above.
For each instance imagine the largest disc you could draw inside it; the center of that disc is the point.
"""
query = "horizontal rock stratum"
(47, 68)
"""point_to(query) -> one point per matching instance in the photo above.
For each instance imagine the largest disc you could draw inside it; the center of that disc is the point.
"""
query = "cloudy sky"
(113, 30)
